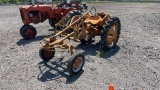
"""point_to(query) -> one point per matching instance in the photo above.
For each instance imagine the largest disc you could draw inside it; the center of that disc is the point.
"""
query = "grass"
(101, 54)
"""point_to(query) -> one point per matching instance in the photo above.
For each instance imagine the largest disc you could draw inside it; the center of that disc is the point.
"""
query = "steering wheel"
(95, 12)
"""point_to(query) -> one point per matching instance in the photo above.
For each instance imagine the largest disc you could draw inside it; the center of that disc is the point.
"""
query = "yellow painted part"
(93, 20)
(112, 34)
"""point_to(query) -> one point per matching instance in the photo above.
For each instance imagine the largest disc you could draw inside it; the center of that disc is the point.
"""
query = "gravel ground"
(133, 65)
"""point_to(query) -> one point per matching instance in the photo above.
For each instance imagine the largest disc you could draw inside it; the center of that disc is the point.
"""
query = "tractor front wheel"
(75, 64)
(28, 32)
(110, 33)
(46, 54)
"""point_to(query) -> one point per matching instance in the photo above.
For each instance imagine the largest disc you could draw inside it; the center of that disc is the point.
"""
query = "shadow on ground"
(24, 41)
(54, 70)
(38, 38)
(93, 48)
(51, 30)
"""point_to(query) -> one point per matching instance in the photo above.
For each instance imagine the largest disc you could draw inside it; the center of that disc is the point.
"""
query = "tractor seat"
(93, 20)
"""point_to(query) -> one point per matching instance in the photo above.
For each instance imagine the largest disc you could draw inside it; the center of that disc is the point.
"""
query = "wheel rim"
(112, 34)
(77, 64)
(48, 53)
(29, 33)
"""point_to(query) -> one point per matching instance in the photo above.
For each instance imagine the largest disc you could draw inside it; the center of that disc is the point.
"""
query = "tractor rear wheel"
(46, 55)
(73, 13)
(85, 6)
(52, 22)
(70, 16)
(75, 64)
(110, 33)
(28, 32)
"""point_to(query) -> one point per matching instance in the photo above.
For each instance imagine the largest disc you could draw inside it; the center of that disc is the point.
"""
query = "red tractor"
(39, 13)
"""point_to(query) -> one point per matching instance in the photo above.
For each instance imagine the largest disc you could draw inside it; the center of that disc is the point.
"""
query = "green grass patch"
(101, 54)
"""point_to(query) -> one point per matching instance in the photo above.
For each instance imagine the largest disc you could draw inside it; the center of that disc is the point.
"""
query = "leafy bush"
(13, 1)
(16, 1)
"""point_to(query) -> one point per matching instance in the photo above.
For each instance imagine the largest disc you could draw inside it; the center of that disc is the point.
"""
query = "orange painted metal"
(87, 26)
(44, 12)
(111, 87)
(76, 63)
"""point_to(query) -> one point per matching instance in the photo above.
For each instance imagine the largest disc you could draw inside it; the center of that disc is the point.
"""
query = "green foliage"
(5, 1)
(101, 53)
(16, 1)
(98, 54)
(13, 1)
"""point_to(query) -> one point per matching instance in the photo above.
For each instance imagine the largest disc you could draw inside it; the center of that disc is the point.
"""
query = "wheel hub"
(48, 53)
(112, 34)
(77, 64)
(29, 33)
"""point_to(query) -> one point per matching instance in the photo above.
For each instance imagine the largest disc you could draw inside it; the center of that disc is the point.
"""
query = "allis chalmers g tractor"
(39, 13)
(81, 28)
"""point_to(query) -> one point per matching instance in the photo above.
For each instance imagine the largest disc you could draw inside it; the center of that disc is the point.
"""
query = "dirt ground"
(133, 65)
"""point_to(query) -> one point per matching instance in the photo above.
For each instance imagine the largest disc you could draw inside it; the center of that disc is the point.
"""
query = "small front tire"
(28, 32)
(75, 64)
(46, 55)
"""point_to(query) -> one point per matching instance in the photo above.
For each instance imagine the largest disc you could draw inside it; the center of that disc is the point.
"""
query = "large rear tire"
(28, 32)
(70, 16)
(73, 13)
(110, 33)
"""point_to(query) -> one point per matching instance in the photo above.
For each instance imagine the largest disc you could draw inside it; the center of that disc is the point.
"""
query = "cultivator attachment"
(81, 28)
(72, 30)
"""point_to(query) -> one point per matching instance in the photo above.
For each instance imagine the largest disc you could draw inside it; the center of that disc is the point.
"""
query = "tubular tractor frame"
(81, 28)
